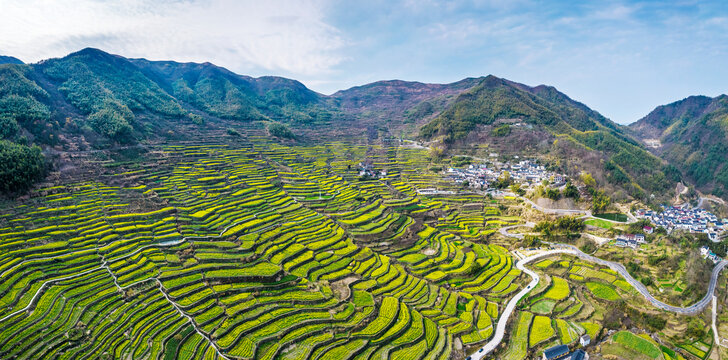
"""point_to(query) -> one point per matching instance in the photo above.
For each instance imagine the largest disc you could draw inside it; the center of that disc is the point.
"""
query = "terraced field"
(559, 311)
(256, 251)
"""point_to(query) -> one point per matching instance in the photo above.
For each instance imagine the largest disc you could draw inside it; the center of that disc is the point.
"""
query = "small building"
(556, 352)
(648, 229)
(640, 238)
(579, 355)
(704, 250)
(585, 340)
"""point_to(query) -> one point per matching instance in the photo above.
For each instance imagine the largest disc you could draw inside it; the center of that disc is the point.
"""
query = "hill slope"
(514, 118)
(94, 100)
(693, 135)
(222, 93)
(397, 104)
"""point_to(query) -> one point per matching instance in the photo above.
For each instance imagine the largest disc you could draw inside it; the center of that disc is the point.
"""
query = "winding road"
(555, 211)
(500, 329)
(559, 249)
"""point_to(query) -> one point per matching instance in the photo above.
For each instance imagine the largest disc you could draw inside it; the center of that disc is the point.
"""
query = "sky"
(621, 58)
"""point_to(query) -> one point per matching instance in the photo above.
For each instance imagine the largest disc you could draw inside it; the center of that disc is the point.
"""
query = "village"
(694, 220)
(482, 176)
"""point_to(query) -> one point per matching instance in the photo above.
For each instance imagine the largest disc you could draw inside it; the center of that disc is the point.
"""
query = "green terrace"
(263, 251)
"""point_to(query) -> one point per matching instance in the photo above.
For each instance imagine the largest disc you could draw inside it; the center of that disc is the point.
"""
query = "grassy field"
(638, 344)
(543, 306)
(600, 223)
(613, 216)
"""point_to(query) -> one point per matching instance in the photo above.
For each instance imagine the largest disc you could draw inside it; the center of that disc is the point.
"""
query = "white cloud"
(288, 36)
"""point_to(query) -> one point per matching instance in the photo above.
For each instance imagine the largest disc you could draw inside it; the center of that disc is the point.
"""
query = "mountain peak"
(89, 51)
(10, 60)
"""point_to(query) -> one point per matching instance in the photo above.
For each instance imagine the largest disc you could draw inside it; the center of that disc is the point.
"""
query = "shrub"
(280, 131)
(503, 130)
(570, 191)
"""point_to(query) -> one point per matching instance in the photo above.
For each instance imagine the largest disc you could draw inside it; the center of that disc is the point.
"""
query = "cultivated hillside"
(92, 100)
(692, 135)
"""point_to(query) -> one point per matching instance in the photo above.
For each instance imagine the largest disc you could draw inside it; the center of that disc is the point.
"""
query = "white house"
(585, 340)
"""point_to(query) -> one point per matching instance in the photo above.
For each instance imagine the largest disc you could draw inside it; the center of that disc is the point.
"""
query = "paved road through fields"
(619, 268)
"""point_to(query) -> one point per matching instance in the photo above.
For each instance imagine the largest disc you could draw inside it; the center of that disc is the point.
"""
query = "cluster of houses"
(562, 352)
(526, 172)
(631, 240)
(366, 169)
(694, 220)
(707, 254)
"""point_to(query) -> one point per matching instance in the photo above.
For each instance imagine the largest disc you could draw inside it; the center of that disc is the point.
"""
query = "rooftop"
(556, 352)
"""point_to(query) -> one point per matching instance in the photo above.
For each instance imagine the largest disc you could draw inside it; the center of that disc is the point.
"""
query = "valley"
(164, 210)
(254, 249)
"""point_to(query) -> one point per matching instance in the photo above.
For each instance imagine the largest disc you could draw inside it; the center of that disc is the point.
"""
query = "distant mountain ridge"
(692, 135)
(223, 93)
(398, 103)
(93, 100)
(9, 60)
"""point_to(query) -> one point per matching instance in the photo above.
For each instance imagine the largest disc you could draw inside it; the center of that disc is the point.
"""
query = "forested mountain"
(9, 60)
(94, 100)
(515, 118)
(222, 93)
(693, 135)
(397, 103)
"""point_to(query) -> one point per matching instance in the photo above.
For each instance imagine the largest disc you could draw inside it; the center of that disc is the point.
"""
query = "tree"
(504, 180)
(113, 121)
(436, 154)
(20, 166)
(697, 271)
(280, 131)
(587, 245)
(588, 180)
(503, 130)
(553, 194)
(8, 126)
(516, 188)
(570, 191)
(545, 227)
(600, 201)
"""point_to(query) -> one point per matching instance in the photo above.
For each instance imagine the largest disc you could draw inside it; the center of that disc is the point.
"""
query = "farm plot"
(637, 344)
(603, 291)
